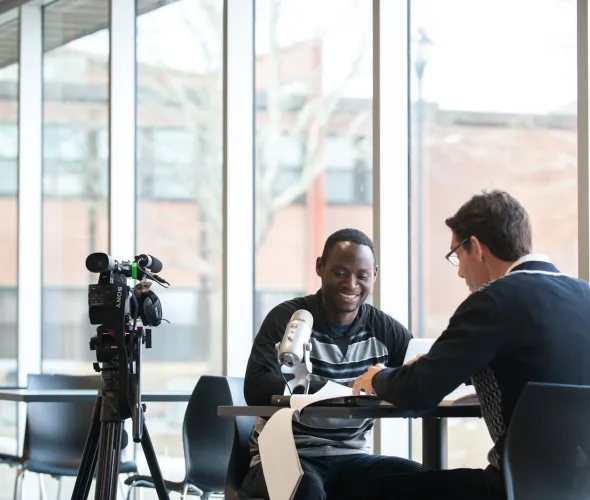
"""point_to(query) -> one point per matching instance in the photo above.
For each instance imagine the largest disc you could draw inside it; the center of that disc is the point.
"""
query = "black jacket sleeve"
(263, 377)
(472, 339)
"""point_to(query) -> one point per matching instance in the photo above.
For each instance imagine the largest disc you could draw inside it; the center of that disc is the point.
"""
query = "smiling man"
(348, 337)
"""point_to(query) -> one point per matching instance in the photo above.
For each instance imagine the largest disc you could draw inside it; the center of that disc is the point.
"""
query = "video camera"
(111, 294)
(116, 308)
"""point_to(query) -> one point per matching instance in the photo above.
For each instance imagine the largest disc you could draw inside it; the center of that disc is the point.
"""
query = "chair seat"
(70, 470)
(177, 487)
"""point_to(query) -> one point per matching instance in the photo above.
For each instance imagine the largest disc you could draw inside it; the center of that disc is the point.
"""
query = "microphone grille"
(303, 315)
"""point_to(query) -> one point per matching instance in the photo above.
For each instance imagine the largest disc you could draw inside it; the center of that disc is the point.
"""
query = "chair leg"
(42, 487)
(184, 491)
(130, 490)
(59, 483)
(18, 484)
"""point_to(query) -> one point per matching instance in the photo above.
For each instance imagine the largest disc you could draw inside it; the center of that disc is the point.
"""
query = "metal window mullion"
(122, 133)
(30, 199)
(391, 184)
(583, 144)
(238, 184)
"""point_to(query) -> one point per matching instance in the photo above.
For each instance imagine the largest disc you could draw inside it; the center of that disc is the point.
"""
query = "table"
(434, 422)
(84, 396)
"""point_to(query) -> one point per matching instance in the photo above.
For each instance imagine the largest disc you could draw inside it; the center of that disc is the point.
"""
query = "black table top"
(84, 396)
(381, 411)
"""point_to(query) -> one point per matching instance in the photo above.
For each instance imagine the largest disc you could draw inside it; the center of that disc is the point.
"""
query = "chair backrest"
(55, 433)
(239, 462)
(207, 437)
(547, 450)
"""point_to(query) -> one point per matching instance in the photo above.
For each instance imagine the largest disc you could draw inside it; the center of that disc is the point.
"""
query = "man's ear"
(476, 248)
(318, 266)
(375, 273)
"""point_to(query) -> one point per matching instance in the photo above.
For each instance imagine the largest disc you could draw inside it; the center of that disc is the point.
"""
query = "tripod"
(112, 408)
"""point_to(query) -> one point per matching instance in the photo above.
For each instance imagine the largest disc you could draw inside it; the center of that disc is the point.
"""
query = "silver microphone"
(293, 352)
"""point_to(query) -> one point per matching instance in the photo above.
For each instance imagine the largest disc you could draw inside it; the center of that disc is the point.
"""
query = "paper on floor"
(279, 457)
(278, 453)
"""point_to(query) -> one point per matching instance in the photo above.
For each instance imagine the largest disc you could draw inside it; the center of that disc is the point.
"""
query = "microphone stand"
(300, 369)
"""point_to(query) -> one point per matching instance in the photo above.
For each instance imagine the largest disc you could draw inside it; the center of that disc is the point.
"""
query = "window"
(9, 79)
(102, 145)
(179, 204)
(489, 112)
(264, 301)
(64, 143)
(353, 186)
(300, 44)
(291, 150)
(340, 152)
(9, 175)
(8, 140)
(9, 228)
(75, 205)
(176, 145)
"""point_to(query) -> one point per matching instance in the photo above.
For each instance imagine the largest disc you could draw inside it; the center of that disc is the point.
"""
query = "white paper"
(280, 461)
(464, 394)
(328, 391)
(278, 454)
(417, 346)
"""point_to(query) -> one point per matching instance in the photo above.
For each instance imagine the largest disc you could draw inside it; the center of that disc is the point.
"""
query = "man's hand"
(365, 382)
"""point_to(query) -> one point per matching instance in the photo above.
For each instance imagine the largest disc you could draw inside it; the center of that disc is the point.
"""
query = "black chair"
(240, 459)
(55, 433)
(207, 440)
(547, 451)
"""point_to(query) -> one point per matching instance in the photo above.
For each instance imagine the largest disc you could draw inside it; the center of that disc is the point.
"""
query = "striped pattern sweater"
(374, 337)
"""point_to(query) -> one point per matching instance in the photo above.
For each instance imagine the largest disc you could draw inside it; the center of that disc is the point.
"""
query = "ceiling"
(63, 22)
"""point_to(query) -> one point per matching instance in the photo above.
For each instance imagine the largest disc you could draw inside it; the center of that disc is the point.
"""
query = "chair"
(547, 449)
(206, 438)
(55, 433)
(240, 459)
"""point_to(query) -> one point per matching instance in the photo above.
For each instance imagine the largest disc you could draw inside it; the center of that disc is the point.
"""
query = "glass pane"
(314, 87)
(75, 173)
(9, 35)
(489, 112)
(179, 205)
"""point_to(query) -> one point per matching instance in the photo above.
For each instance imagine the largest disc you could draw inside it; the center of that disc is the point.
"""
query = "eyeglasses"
(452, 255)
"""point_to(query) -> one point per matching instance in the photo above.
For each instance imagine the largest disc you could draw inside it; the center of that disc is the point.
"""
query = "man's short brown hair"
(496, 219)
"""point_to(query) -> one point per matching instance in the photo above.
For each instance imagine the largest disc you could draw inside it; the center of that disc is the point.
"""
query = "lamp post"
(421, 51)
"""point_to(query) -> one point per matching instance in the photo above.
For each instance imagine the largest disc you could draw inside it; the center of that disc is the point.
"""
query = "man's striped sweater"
(374, 337)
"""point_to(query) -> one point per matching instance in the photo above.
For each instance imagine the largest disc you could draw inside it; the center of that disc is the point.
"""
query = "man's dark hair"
(496, 219)
(353, 235)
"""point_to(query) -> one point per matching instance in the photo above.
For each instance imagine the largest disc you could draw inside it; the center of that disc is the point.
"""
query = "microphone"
(149, 261)
(293, 352)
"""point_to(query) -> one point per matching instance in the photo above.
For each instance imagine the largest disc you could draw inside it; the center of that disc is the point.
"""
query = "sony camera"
(111, 298)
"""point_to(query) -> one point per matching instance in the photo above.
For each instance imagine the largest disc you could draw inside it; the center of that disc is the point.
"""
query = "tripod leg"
(88, 462)
(104, 471)
(150, 456)
(116, 458)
